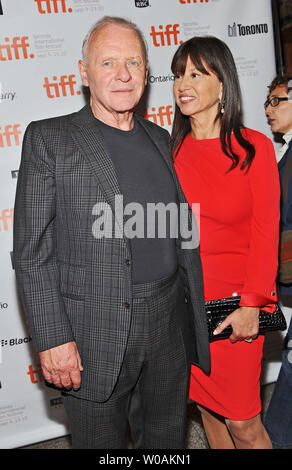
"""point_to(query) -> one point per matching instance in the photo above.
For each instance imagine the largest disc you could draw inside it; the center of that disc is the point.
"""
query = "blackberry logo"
(56, 401)
(15, 341)
(142, 3)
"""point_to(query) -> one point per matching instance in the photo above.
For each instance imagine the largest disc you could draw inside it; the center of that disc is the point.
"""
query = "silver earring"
(222, 108)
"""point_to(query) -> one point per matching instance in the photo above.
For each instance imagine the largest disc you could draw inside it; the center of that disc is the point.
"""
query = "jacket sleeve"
(260, 282)
(34, 244)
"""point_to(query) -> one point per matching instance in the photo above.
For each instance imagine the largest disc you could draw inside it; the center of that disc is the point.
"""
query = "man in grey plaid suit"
(117, 320)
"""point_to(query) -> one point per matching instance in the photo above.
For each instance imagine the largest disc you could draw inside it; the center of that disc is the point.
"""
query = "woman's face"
(197, 94)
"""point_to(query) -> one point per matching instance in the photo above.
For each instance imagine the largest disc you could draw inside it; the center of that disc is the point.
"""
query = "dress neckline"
(214, 139)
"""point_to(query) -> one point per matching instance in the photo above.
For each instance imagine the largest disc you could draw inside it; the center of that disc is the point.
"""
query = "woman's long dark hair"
(211, 52)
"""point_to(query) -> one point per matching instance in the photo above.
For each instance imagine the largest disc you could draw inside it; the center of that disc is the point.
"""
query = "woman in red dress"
(232, 172)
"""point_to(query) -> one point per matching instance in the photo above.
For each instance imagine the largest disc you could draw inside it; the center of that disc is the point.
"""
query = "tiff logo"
(11, 132)
(184, 2)
(6, 214)
(164, 38)
(158, 117)
(35, 375)
(58, 89)
(16, 48)
(59, 6)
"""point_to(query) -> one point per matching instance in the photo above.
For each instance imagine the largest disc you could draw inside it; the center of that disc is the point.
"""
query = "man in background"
(279, 112)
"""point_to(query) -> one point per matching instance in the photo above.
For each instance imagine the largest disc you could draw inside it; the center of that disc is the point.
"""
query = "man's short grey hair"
(113, 20)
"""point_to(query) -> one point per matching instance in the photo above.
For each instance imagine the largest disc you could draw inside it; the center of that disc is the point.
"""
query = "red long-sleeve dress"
(239, 227)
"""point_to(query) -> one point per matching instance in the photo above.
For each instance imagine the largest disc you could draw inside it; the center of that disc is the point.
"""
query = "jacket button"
(272, 294)
(128, 262)
(126, 305)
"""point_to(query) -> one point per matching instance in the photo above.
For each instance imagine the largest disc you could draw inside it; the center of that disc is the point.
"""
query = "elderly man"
(116, 318)
(279, 112)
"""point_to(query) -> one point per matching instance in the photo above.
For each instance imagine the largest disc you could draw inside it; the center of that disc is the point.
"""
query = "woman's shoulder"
(255, 137)
(264, 149)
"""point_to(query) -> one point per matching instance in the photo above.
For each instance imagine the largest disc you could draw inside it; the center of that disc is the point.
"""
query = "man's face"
(116, 72)
(280, 117)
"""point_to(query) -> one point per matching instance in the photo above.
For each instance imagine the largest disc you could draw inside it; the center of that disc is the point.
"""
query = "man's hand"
(244, 322)
(62, 365)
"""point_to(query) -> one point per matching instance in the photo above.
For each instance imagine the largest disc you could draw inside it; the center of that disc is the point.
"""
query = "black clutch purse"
(218, 310)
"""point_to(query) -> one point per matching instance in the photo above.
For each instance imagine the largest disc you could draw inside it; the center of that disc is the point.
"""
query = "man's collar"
(84, 117)
(288, 136)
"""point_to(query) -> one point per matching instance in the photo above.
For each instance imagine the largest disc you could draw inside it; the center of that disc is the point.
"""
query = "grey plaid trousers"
(152, 386)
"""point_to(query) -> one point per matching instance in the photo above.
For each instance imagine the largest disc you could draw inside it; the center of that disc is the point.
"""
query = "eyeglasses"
(275, 101)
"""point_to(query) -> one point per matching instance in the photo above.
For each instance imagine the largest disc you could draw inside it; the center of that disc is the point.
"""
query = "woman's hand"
(244, 322)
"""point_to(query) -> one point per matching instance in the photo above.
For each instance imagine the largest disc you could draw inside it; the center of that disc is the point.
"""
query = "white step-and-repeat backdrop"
(40, 44)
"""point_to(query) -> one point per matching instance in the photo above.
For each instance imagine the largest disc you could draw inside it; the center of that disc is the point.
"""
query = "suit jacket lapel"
(286, 155)
(89, 139)
(285, 166)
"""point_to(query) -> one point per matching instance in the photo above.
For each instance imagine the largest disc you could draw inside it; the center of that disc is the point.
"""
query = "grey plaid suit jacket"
(73, 286)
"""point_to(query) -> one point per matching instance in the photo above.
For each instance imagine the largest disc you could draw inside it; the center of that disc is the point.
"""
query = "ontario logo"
(52, 6)
(15, 48)
(246, 30)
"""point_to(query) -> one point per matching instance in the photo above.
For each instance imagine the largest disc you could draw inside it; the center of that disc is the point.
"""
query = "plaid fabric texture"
(151, 389)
